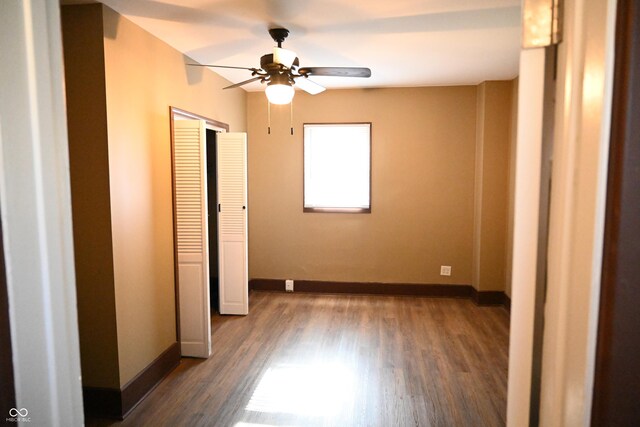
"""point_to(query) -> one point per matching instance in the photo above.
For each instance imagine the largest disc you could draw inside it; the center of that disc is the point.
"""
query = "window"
(337, 167)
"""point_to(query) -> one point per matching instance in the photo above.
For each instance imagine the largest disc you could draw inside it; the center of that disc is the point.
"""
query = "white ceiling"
(404, 42)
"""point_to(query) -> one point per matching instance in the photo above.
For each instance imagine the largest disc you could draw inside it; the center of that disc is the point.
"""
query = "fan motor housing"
(267, 64)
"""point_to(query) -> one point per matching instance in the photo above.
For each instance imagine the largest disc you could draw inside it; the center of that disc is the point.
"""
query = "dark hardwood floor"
(341, 360)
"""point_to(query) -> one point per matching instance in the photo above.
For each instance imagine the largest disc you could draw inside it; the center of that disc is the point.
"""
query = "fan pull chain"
(291, 116)
(268, 117)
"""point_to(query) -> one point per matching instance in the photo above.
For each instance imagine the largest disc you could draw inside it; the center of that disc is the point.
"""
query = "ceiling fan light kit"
(281, 70)
(279, 90)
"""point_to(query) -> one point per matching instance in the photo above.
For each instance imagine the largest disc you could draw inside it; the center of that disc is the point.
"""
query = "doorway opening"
(212, 204)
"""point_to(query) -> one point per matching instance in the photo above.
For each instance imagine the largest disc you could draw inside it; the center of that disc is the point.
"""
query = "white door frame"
(576, 227)
(35, 198)
(525, 233)
(577, 214)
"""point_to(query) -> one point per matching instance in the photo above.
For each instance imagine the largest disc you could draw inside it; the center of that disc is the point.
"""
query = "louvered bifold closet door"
(232, 223)
(190, 186)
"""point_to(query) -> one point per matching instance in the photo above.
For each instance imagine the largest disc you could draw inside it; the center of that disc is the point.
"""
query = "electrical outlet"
(445, 270)
(288, 285)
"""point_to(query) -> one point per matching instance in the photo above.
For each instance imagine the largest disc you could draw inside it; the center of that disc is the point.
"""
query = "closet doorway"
(210, 226)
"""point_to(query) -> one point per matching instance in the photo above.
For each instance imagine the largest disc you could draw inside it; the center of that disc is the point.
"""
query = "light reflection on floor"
(312, 390)
(243, 424)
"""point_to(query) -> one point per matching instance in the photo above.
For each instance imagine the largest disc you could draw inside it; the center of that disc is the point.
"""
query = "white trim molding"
(525, 233)
(576, 221)
(35, 199)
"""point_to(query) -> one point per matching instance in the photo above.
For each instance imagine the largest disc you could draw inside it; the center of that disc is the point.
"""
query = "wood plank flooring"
(341, 360)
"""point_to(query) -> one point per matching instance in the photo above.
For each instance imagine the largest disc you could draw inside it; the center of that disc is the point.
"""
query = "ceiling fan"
(281, 70)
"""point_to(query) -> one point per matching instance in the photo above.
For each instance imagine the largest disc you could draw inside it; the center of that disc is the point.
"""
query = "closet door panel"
(190, 186)
(232, 223)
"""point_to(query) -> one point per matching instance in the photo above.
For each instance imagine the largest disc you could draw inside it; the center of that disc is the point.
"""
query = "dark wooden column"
(616, 395)
(7, 390)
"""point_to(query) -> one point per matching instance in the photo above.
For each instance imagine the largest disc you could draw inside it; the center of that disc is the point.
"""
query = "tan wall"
(144, 76)
(120, 82)
(89, 172)
(512, 183)
(481, 101)
(423, 143)
(493, 139)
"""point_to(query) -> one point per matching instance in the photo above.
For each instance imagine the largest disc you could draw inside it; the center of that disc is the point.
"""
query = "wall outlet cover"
(445, 270)
(288, 285)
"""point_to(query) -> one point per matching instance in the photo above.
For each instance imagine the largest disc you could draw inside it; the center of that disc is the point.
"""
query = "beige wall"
(493, 139)
(89, 172)
(142, 78)
(477, 201)
(512, 184)
(145, 76)
(423, 147)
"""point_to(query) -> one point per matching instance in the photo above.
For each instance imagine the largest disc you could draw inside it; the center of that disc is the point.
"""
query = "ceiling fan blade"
(244, 82)
(336, 71)
(283, 56)
(309, 86)
(224, 66)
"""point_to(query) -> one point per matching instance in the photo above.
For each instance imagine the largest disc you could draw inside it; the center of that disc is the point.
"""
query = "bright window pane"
(337, 166)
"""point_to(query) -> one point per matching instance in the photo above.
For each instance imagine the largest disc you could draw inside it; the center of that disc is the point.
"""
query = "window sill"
(336, 210)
